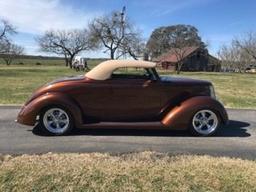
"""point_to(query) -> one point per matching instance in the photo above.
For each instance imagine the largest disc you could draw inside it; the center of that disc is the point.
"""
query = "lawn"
(234, 90)
(145, 171)
(18, 81)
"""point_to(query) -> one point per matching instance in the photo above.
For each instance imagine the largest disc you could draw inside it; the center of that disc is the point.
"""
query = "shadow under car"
(233, 129)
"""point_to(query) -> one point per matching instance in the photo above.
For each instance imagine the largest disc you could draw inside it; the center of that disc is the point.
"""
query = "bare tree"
(4, 46)
(226, 57)
(11, 52)
(116, 34)
(66, 43)
(180, 52)
(181, 48)
(234, 58)
(8, 50)
(247, 43)
(132, 45)
(6, 29)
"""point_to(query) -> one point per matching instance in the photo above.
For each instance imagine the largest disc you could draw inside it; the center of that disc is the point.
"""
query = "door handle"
(147, 83)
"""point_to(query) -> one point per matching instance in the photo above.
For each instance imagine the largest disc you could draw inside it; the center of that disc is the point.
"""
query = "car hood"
(68, 78)
(53, 86)
(184, 81)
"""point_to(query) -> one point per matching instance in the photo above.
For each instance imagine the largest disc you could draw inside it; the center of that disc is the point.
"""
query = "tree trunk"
(70, 61)
(8, 61)
(178, 68)
(112, 54)
(66, 62)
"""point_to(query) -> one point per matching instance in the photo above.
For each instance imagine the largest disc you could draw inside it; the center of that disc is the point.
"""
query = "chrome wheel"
(56, 120)
(205, 122)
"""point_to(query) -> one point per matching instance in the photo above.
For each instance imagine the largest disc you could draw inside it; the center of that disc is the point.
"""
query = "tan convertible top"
(104, 70)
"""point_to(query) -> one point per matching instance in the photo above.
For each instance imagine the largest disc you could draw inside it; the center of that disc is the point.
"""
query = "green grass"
(233, 89)
(17, 82)
(145, 171)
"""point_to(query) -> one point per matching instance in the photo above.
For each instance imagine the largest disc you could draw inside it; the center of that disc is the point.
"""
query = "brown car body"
(162, 103)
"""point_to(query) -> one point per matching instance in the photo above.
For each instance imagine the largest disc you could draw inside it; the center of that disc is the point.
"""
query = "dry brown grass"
(134, 172)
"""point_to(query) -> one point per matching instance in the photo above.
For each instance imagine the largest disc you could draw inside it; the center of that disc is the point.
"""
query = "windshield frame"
(151, 74)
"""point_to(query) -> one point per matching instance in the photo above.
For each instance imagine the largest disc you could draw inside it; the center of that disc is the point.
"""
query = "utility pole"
(123, 19)
(122, 14)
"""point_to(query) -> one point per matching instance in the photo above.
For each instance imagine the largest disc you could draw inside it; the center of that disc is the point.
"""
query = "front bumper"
(26, 116)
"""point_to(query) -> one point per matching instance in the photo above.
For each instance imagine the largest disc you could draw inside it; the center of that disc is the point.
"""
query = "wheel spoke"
(64, 121)
(57, 125)
(52, 116)
(208, 126)
(60, 114)
(200, 126)
(50, 122)
(197, 119)
(210, 117)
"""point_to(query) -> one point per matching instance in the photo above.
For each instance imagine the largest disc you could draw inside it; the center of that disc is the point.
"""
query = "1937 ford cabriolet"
(125, 94)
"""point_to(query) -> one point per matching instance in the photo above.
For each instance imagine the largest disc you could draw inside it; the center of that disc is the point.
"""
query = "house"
(193, 58)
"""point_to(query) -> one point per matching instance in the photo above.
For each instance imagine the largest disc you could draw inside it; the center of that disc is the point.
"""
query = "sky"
(218, 21)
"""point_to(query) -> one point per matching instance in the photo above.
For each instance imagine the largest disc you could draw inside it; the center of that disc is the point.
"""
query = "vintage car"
(125, 94)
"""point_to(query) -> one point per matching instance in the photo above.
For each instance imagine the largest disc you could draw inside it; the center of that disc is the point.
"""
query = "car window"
(131, 73)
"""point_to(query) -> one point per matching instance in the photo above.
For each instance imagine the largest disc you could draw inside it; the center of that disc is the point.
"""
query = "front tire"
(204, 123)
(56, 120)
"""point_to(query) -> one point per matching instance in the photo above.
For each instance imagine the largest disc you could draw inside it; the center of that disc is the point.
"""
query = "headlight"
(212, 92)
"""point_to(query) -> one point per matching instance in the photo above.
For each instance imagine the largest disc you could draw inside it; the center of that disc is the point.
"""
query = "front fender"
(30, 111)
(180, 116)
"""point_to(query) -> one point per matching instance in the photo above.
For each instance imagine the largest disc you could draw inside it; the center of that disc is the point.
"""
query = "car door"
(120, 99)
(94, 98)
(134, 100)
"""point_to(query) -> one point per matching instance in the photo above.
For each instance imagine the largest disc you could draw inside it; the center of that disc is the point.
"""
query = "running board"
(127, 125)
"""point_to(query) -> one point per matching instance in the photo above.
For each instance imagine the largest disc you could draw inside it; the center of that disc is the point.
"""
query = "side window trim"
(149, 75)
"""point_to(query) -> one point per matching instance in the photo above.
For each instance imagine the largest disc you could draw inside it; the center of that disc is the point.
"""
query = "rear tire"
(56, 120)
(205, 122)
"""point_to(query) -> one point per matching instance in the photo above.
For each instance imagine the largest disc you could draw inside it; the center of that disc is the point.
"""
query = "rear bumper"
(224, 116)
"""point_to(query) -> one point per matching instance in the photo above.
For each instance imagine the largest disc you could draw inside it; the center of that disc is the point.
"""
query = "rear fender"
(180, 116)
(30, 111)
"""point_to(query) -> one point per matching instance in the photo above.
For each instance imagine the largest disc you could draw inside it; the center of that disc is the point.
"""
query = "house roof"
(171, 57)
(104, 70)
